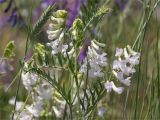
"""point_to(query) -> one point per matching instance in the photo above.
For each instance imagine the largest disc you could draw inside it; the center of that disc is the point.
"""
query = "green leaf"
(40, 49)
(102, 10)
(9, 50)
(97, 15)
(43, 19)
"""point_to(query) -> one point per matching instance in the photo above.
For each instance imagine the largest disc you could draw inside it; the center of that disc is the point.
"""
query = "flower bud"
(77, 29)
(60, 14)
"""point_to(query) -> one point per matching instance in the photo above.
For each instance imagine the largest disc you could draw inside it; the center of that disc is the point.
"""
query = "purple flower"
(20, 22)
(2, 1)
(121, 4)
(73, 9)
(83, 52)
(84, 2)
(82, 55)
(72, 6)
(14, 17)
(45, 3)
(9, 6)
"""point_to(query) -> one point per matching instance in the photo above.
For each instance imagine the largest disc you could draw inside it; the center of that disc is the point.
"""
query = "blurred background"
(133, 22)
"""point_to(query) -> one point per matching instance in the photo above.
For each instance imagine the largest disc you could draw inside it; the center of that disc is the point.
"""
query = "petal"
(119, 52)
(108, 86)
(118, 90)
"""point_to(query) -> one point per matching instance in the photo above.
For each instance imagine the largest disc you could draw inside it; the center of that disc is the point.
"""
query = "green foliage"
(40, 23)
(93, 13)
(77, 31)
(141, 101)
(60, 14)
(102, 10)
(9, 50)
(39, 49)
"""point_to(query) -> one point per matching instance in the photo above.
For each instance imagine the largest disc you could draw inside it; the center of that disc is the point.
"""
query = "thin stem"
(76, 79)
(13, 81)
(87, 75)
(23, 106)
(18, 86)
(145, 24)
(71, 116)
(54, 67)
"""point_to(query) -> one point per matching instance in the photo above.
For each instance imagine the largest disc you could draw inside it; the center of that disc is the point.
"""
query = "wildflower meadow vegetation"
(79, 60)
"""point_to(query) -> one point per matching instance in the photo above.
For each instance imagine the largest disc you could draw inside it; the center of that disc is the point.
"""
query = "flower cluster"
(123, 67)
(92, 62)
(95, 60)
(60, 105)
(41, 91)
(56, 32)
(29, 80)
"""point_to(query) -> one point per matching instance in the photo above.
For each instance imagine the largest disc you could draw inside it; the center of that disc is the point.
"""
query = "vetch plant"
(56, 32)
(66, 77)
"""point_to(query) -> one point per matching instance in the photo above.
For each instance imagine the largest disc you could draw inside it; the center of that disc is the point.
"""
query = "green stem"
(145, 24)
(13, 81)
(76, 78)
(18, 86)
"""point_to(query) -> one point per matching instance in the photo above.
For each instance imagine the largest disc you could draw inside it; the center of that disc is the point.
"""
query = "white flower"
(29, 79)
(111, 86)
(119, 52)
(19, 104)
(134, 60)
(119, 64)
(102, 60)
(126, 81)
(101, 111)
(95, 45)
(54, 46)
(25, 115)
(123, 66)
(58, 46)
(120, 76)
(96, 61)
(58, 21)
(36, 108)
(94, 72)
(56, 33)
(59, 109)
(84, 68)
(56, 27)
(44, 91)
(58, 112)
(64, 50)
